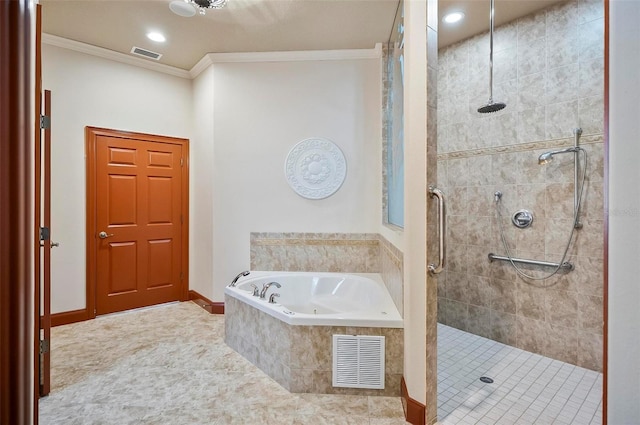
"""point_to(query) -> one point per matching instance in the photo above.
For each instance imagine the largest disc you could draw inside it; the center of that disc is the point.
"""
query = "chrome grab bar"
(435, 192)
(565, 266)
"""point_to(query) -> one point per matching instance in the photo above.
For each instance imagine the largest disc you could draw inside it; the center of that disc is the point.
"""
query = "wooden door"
(44, 276)
(139, 209)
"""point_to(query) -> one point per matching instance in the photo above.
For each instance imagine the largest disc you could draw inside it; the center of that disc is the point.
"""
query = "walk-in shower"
(542, 299)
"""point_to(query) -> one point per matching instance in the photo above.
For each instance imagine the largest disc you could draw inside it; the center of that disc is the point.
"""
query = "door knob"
(104, 235)
(53, 244)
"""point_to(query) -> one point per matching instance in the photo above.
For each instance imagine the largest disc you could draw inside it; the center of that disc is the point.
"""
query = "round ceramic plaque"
(315, 168)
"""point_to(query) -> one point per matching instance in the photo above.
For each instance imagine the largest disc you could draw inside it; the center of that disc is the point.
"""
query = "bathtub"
(322, 299)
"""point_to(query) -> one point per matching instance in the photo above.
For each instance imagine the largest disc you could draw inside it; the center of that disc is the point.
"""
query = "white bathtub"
(322, 299)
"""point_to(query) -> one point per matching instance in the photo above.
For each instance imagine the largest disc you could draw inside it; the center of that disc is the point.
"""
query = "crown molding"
(292, 56)
(89, 49)
(213, 58)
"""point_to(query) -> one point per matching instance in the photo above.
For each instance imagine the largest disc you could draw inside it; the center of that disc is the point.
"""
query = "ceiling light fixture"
(182, 8)
(203, 5)
(156, 36)
(453, 17)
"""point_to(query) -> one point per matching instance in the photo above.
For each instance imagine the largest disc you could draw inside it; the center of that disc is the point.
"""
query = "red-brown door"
(139, 215)
(46, 245)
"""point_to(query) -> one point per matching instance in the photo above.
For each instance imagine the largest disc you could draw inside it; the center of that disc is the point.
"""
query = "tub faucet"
(255, 290)
(266, 286)
(235, 279)
(272, 297)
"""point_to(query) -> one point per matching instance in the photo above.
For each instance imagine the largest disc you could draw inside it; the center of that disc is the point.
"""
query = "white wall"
(624, 214)
(261, 110)
(415, 213)
(201, 190)
(90, 91)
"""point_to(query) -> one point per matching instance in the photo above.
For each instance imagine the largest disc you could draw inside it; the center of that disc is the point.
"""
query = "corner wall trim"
(206, 303)
(68, 317)
(414, 412)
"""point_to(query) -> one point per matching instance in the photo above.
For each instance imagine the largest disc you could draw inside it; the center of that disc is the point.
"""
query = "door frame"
(91, 137)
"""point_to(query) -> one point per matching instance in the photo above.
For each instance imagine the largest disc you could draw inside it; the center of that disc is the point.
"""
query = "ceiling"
(256, 25)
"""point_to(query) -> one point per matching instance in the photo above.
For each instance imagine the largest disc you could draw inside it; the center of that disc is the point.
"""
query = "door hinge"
(44, 346)
(181, 276)
(45, 233)
(45, 122)
(181, 219)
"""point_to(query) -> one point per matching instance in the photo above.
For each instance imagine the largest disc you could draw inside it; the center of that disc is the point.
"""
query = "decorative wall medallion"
(315, 168)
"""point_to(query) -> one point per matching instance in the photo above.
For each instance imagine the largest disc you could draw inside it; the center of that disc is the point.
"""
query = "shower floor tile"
(527, 389)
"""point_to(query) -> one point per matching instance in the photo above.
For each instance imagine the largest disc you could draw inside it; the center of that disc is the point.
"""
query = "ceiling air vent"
(146, 53)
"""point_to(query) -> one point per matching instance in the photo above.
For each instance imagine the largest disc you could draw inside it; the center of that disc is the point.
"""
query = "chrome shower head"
(547, 157)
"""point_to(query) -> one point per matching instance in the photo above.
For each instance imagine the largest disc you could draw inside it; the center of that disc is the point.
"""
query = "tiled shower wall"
(330, 252)
(548, 69)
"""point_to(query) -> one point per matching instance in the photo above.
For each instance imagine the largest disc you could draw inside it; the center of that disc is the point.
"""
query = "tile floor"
(169, 365)
(528, 388)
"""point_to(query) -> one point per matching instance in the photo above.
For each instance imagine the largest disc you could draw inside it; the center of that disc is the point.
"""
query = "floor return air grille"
(358, 361)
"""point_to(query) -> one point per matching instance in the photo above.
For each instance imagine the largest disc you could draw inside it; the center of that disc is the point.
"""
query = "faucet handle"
(256, 291)
(272, 297)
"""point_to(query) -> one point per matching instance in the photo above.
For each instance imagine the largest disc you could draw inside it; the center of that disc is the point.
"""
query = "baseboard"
(206, 303)
(68, 317)
(414, 412)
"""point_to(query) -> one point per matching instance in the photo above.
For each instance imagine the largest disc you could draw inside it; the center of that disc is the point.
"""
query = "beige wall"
(549, 71)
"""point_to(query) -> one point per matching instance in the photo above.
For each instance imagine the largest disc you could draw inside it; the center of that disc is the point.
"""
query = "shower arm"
(491, 12)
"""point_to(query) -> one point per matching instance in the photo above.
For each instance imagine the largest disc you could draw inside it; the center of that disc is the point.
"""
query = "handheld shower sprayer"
(235, 279)
(547, 157)
(578, 188)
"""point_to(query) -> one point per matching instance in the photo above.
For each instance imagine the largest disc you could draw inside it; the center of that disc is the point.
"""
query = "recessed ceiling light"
(156, 36)
(453, 17)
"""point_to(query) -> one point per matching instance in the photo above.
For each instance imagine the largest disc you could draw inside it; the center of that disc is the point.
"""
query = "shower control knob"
(522, 219)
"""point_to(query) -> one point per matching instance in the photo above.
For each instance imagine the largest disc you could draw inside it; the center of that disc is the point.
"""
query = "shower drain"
(486, 380)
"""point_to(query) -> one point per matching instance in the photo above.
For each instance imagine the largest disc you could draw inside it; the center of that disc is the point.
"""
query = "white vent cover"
(358, 361)
(145, 53)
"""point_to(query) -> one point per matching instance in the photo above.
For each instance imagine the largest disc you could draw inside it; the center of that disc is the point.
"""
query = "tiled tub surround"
(330, 252)
(299, 357)
(316, 252)
(549, 71)
(392, 271)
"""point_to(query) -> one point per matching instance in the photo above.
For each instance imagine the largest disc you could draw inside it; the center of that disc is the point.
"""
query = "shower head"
(492, 107)
(547, 157)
